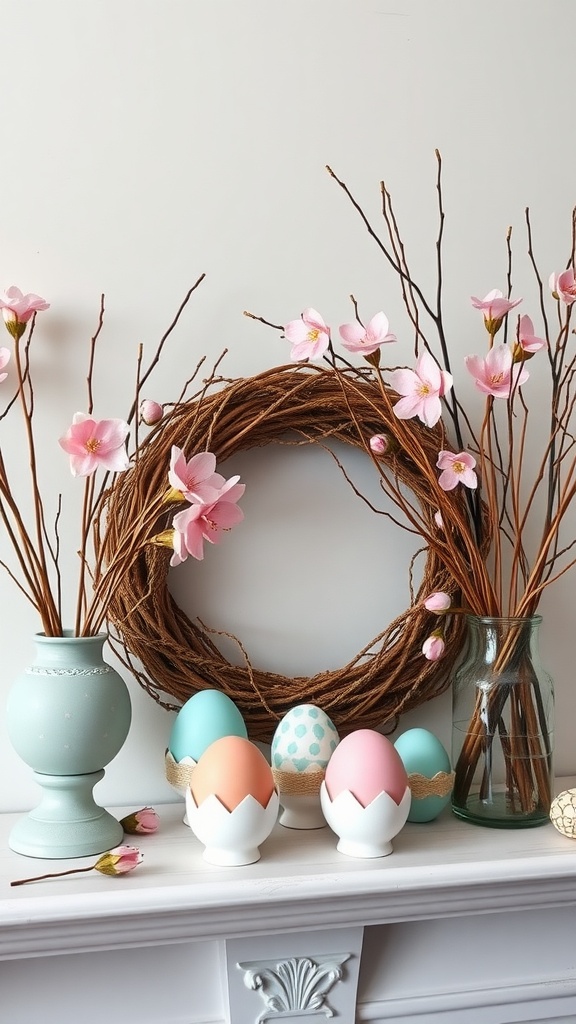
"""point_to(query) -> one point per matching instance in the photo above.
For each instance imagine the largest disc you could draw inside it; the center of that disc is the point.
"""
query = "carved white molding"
(296, 986)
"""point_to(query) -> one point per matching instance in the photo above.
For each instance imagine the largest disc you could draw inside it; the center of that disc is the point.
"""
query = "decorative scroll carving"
(295, 987)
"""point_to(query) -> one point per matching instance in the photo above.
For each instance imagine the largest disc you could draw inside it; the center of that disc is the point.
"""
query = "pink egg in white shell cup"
(365, 795)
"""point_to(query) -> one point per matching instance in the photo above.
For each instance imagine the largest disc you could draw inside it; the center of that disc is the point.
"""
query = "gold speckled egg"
(563, 813)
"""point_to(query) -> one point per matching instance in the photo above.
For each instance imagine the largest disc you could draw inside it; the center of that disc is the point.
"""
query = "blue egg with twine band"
(430, 775)
(206, 717)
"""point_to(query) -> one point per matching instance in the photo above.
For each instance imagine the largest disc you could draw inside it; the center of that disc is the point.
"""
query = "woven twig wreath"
(296, 404)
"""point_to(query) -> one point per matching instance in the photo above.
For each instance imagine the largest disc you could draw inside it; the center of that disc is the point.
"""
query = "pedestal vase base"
(67, 822)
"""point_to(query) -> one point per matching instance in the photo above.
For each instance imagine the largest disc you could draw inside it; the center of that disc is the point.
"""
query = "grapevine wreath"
(172, 656)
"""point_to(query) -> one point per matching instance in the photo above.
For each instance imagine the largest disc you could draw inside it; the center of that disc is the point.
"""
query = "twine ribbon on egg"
(298, 783)
(440, 784)
(178, 773)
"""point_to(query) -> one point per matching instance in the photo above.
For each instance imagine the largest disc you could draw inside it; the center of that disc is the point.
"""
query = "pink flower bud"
(116, 862)
(17, 309)
(119, 861)
(150, 412)
(438, 601)
(433, 647)
(527, 340)
(563, 286)
(495, 307)
(379, 444)
(144, 822)
(14, 326)
(438, 519)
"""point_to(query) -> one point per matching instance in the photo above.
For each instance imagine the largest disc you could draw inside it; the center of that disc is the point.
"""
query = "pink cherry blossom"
(309, 336)
(495, 307)
(18, 307)
(195, 478)
(563, 286)
(456, 469)
(438, 601)
(230, 490)
(4, 360)
(92, 443)
(119, 861)
(200, 522)
(144, 822)
(422, 389)
(366, 340)
(433, 647)
(495, 375)
(151, 412)
(527, 340)
(379, 444)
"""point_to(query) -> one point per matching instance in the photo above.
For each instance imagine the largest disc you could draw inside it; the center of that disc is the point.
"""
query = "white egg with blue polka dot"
(304, 740)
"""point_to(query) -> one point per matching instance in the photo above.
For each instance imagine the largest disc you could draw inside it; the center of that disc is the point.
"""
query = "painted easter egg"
(366, 764)
(207, 716)
(563, 813)
(429, 773)
(231, 769)
(304, 740)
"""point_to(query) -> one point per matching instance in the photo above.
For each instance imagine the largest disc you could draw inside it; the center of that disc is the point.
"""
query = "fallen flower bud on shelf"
(118, 861)
(143, 822)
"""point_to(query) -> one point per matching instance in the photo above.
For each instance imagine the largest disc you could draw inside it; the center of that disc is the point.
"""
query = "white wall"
(146, 142)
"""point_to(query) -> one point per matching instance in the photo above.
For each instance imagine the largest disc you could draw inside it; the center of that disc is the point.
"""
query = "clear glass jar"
(502, 726)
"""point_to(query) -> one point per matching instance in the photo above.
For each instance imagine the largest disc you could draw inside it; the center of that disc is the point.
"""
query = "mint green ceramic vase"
(68, 715)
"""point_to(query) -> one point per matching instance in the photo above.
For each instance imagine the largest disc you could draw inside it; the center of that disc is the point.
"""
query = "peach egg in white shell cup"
(231, 838)
(365, 831)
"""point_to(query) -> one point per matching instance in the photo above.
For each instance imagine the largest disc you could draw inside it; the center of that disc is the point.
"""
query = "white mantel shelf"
(441, 869)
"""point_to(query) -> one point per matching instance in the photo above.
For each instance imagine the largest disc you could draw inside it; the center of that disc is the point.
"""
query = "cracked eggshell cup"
(231, 838)
(365, 831)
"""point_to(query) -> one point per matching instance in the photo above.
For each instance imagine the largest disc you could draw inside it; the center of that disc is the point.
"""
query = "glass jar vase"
(502, 726)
